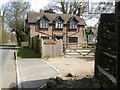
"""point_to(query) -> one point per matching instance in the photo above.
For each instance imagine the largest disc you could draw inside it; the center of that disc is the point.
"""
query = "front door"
(59, 38)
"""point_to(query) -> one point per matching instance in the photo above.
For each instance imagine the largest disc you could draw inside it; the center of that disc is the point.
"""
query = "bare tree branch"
(15, 11)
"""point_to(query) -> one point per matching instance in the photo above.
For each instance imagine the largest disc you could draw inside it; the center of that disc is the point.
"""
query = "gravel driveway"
(77, 66)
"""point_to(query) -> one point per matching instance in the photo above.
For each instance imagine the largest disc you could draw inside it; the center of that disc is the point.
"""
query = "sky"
(101, 0)
(36, 5)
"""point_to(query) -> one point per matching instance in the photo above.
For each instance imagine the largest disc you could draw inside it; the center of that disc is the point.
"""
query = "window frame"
(73, 25)
(59, 24)
(44, 37)
(43, 23)
(76, 41)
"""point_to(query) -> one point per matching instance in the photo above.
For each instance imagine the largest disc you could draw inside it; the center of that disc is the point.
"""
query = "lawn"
(27, 53)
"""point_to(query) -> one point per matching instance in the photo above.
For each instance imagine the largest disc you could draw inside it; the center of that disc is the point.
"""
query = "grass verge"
(27, 53)
(10, 43)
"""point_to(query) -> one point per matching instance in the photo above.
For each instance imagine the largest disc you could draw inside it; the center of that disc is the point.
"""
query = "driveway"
(34, 73)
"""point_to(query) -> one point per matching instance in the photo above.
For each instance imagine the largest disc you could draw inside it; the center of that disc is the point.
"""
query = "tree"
(5, 36)
(49, 11)
(3, 32)
(15, 11)
(71, 7)
(88, 31)
(0, 27)
(105, 55)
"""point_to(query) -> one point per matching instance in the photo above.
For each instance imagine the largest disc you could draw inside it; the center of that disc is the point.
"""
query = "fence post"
(40, 47)
(15, 56)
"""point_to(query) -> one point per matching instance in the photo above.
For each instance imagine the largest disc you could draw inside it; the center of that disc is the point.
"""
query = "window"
(27, 26)
(73, 40)
(44, 37)
(73, 25)
(59, 24)
(43, 23)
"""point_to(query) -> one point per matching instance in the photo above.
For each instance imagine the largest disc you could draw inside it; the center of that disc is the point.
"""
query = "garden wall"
(52, 48)
(46, 48)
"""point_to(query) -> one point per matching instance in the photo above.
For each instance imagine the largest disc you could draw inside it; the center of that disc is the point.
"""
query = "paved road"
(3, 58)
(0, 69)
(7, 66)
(34, 73)
(4, 50)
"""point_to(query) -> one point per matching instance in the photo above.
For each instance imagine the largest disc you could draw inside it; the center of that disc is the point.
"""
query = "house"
(69, 28)
(92, 35)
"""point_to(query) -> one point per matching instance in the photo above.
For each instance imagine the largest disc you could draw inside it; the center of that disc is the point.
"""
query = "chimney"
(41, 11)
(80, 11)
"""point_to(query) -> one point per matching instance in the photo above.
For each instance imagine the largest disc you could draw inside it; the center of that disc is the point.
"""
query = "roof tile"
(34, 17)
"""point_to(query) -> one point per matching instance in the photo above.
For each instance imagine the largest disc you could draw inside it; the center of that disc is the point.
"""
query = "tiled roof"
(34, 17)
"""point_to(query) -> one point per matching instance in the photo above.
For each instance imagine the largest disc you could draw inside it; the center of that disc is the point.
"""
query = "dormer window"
(43, 23)
(73, 25)
(59, 24)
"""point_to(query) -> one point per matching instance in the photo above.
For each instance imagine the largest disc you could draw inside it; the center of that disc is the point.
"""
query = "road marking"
(18, 74)
(51, 67)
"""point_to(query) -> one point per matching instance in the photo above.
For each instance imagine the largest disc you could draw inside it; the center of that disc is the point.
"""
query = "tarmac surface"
(34, 73)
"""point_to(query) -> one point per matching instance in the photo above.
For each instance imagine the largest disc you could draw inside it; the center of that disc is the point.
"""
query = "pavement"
(34, 73)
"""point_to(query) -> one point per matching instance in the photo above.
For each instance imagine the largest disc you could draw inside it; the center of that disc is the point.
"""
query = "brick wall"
(51, 31)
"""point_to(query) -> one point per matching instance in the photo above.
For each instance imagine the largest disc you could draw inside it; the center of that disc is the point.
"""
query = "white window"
(73, 25)
(43, 23)
(59, 24)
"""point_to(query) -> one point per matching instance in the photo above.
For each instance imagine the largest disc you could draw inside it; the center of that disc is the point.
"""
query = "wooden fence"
(79, 49)
(52, 48)
(46, 48)
(107, 78)
(107, 74)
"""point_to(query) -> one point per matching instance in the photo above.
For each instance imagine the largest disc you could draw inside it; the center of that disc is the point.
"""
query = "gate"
(79, 49)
